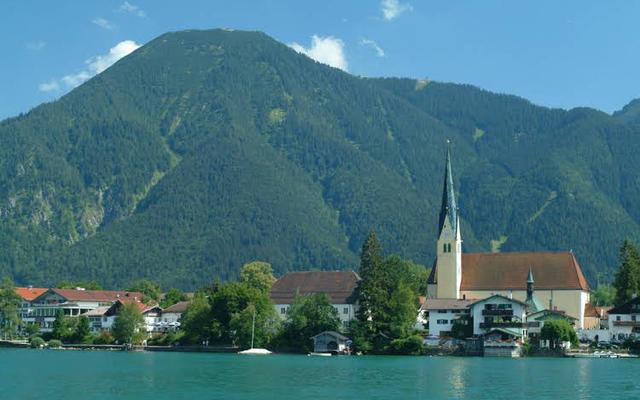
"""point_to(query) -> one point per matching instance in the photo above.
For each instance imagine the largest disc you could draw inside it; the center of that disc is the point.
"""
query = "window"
(442, 322)
(633, 317)
(444, 249)
(345, 310)
(449, 248)
(442, 311)
(617, 318)
(283, 310)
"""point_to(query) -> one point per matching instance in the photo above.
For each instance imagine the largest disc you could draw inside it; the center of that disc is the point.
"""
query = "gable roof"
(509, 271)
(499, 296)
(340, 286)
(178, 308)
(335, 334)
(504, 271)
(543, 314)
(99, 296)
(630, 307)
(29, 293)
(447, 304)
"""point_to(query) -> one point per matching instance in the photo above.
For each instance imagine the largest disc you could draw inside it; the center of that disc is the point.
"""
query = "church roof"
(509, 271)
(448, 207)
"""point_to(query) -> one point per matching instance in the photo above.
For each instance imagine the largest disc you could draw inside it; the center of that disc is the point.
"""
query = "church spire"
(530, 283)
(448, 207)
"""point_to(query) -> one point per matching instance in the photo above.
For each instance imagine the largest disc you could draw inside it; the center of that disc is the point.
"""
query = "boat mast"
(253, 327)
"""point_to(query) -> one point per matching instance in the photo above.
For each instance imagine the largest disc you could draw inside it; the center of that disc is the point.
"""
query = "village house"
(339, 286)
(624, 320)
(442, 314)
(560, 283)
(42, 309)
(499, 311)
(172, 315)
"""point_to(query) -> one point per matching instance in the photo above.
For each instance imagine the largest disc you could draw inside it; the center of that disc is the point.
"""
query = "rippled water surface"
(65, 374)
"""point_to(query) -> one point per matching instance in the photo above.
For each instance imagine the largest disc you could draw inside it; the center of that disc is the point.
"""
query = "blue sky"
(554, 53)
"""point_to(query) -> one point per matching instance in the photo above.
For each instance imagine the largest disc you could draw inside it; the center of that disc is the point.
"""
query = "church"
(560, 284)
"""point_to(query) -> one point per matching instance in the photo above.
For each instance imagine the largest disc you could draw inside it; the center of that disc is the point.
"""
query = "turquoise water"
(51, 374)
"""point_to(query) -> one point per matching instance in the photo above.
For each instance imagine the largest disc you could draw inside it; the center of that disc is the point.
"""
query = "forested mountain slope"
(203, 150)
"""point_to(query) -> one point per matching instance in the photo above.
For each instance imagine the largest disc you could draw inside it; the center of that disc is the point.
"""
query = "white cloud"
(327, 50)
(392, 9)
(132, 9)
(103, 23)
(372, 44)
(94, 66)
(51, 86)
(35, 46)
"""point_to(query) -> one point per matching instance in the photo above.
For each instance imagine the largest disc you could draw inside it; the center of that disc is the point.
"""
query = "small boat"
(313, 353)
(254, 351)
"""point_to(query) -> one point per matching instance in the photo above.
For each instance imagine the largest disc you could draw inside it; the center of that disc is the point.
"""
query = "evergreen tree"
(627, 282)
(369, 287)
(82, 329)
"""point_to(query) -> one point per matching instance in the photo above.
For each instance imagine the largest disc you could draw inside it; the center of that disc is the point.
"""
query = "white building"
(499, 311)
(339, 286)
(442, 314)
(73, 302)
(624, 320)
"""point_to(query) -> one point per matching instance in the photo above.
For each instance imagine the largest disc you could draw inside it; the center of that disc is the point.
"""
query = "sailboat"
(254, 351)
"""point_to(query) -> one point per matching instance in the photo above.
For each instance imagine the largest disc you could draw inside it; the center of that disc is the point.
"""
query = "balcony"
(512, 324)
(496, 312)
(634, 324)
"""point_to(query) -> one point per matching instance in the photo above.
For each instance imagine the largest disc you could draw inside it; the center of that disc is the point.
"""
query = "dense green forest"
(204, 150)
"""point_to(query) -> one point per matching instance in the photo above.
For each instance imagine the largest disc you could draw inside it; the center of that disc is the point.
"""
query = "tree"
(233, 298)
(172, 297)
(150, 290)
(258, 275)
(196, 322)
(129, 322)
(369, 293)
(266, 325)
(82, 329)
(89, 285)
(558, 331)
(308, 316)
(403, 310)
(9, 304)
(604, 295)
(63, 327)
(627, 281)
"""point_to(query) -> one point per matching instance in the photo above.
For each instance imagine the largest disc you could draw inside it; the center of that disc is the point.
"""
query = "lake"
(66, 374)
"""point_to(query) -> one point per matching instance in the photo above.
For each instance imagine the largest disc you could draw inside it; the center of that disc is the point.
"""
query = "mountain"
(629, 113)
(204, 150)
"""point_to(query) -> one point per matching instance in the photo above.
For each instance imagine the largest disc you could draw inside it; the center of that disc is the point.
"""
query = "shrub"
(105, 337)
(54, 344)
(412, 345)
(37, 342)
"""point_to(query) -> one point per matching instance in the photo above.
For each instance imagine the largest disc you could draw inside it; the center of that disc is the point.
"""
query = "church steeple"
(448, 207)
(530, 283)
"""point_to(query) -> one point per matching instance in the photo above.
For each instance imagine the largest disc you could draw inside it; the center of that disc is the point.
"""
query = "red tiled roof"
(504, 271)
(29, 293)
(102, 296)
(340, 286)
